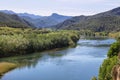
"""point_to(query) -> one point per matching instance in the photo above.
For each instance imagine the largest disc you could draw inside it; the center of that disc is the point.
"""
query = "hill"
(44, 21)
(40, 21)
(13, 20)
(106, 21)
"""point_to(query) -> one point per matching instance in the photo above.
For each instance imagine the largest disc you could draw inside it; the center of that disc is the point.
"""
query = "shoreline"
(6, 67)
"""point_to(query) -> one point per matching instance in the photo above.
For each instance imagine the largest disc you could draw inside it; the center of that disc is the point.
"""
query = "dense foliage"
(114, 49)
(106, 68)
(105, 72)
(24, 41)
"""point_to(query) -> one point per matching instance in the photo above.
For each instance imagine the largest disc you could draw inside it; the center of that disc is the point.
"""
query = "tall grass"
(25, 41)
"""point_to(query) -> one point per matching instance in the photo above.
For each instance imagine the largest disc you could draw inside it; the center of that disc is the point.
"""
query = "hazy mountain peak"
(58, 15)
(116, 11)
(29, 15)
(7, 11)
(55, 14)
(40, 21)
(44, 21)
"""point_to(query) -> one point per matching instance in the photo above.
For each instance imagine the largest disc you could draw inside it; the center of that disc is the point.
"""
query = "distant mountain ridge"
(13, 20)
(46, 21)
(29, 15)
(106, 21)
(40, 21)
(7, 11)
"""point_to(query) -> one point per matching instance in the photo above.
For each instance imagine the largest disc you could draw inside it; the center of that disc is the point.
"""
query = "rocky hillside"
(106, 21)
(13, 20)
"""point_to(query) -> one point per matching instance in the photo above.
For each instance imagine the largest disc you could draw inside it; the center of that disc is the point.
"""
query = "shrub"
(23, 41)
(114, 49)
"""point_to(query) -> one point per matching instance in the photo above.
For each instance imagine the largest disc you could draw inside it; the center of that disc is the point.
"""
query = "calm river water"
(78, 63)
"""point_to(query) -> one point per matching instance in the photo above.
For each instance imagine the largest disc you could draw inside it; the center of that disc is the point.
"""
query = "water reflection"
(96, 43)
(65, 64)
(30, 60)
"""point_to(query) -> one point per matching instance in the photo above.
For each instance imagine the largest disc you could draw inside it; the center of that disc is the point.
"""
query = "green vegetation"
(114, 49)
(5, 67)
(115, 35)
(97, 24)
(107, 21)
(91, 34)
(14, 41)
(94, 78)
(106, 69)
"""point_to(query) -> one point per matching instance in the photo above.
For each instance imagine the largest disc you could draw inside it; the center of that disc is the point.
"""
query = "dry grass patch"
(5, 67)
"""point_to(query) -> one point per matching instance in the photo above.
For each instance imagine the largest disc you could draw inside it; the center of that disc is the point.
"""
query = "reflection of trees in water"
(0, 76)
(24, 61)
(31, 60)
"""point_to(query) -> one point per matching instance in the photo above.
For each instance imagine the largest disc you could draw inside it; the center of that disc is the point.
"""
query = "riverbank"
(109, 70)
(57, 62)
(16, 41)
(5, 67)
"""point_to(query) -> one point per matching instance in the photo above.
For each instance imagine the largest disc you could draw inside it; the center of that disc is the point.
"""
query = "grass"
(5, 67)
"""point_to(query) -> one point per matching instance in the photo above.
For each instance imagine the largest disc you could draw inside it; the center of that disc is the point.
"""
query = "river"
(79, 63)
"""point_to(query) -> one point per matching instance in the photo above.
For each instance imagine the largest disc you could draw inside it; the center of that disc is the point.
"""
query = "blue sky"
(65, 7)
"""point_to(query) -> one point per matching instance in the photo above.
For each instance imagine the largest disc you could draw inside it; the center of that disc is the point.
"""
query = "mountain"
(7, 11)
(13, 20)
(40, 21)
(59, 18)
(45, 21)
(106, 21)
(29, 15)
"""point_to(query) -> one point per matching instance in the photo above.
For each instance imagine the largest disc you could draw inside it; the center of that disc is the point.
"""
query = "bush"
(114, 49)
(106, 68)
(23, 41)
